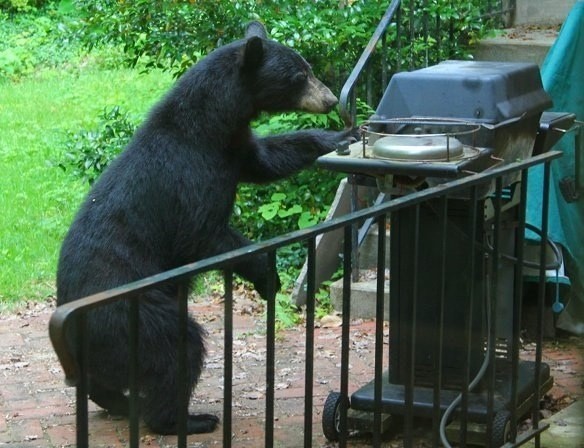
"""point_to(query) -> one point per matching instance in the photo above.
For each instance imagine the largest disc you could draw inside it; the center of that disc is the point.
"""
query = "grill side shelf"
(355, 163)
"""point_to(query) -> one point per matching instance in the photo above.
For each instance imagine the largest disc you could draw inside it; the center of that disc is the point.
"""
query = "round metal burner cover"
(418, 147)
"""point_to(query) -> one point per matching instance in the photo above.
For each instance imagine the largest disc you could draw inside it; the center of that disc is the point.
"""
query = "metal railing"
(406, 22)
(72, 317)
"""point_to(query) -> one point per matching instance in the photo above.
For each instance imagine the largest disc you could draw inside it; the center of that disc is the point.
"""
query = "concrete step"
(528, 43)
(368, 250)
(363, 292)
(329, 246)
(542, 11)
(566, 428)
(536, 25)
(363, 296)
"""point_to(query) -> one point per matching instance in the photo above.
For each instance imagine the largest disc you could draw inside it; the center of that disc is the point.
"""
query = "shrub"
(22, 5)
(88, 153)
(28, 41)
(330, 34)
(172, 34)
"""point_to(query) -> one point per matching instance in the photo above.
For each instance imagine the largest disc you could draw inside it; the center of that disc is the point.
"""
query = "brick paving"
(37, 409)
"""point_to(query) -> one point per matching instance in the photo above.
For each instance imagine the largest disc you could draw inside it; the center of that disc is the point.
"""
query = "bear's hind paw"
(202, 423)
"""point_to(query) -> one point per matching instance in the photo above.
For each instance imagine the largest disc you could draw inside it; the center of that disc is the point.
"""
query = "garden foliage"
(173, 34)
(32, 40)
(78, 36)
(22, 5)
(88, 153)
(330, 34)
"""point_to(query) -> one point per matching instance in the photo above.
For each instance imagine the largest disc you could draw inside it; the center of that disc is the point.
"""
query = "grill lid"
(480, 91)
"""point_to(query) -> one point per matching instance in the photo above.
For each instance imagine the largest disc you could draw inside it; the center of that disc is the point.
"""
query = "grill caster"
(501, 428)
(331, 415)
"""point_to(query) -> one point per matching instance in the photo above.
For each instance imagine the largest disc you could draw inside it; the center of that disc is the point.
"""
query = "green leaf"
(306, 220)
(294, 210)
(269, 211)
(278, 197)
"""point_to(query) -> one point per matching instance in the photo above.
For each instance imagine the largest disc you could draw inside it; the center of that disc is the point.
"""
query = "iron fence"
(408, 37)
(478, 238)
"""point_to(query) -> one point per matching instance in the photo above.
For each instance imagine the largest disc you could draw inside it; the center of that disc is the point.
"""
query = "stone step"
(536, 25)
(363, 296)
(363, 292)
(566, 428)
(368, 250)
(529, 43)
(529, 12)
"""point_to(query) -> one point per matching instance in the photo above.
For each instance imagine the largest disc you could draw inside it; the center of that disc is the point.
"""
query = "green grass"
(37, 199)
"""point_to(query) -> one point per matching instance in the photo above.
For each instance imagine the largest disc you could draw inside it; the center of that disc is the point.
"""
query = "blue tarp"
(563, 78)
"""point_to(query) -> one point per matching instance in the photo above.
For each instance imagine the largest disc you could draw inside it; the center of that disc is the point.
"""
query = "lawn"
(38, 199)
(53, 85)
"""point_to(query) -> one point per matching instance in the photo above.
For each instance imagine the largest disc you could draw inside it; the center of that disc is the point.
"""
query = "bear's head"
(280, 79)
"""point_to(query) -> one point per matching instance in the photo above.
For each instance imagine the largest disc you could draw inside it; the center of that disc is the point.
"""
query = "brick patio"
(37, 410)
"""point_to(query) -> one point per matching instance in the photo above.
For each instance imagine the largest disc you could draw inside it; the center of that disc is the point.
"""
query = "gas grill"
(432, 126)
(447, 121)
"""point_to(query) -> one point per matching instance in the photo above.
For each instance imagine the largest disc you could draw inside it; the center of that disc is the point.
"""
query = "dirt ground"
(37, 409)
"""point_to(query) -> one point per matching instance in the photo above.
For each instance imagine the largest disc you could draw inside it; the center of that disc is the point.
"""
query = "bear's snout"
(317, 97)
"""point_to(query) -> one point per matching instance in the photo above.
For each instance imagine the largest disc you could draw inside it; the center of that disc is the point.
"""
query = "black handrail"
(348, 111)
(501, 10)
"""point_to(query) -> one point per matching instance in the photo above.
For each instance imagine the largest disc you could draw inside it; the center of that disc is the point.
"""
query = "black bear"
(167, 200)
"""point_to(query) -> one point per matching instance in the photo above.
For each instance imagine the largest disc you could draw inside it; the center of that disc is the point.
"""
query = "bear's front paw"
(352, 135)
(343, 139)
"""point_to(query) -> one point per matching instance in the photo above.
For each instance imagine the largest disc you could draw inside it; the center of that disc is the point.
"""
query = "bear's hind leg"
(160, 409)
(159, 405)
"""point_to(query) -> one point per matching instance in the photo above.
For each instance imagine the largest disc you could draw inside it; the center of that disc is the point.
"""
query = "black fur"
(166, 201)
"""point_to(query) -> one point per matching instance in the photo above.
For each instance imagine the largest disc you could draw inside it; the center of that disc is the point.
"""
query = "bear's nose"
(330, 101)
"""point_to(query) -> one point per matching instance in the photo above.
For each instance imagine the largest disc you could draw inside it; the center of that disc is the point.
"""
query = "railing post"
(309, 359)
(182, 386)
(545, 201)
(81, 420)
(470, 310)
(492, 297)
(345, 333)
(438, 343)
(228, 359)
(518, 305)
(270, 352)
(133, 346)
(409, 385)
(379, 318)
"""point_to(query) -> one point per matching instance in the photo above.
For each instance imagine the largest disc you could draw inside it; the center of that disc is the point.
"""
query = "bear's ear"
(252, 54)
(257, 29)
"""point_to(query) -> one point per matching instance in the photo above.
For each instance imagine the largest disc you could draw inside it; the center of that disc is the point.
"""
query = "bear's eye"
(300, 77)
